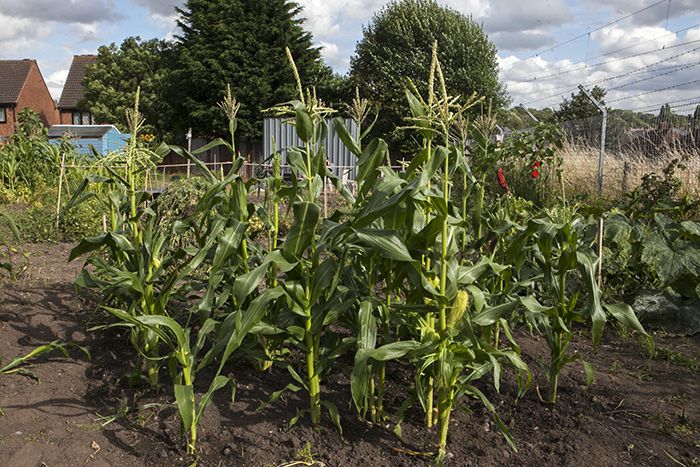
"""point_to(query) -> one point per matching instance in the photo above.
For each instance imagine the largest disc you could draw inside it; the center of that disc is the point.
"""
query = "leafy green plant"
(177, 203)
(314, 296)
(28, 160)
(654, 252)
(6, 250)
(659, 193)
(15, 366)
(409, 221)
(533, 167)
(183, 356)
(553, 310)
(135, 273)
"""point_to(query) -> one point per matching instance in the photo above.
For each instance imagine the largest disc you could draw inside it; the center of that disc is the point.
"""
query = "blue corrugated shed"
(105, 138)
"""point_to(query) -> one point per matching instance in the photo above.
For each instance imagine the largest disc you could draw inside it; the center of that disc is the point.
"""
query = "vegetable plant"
(409, 220)
(7, 250)
(134, 272)
(312, 291)
(553, 310)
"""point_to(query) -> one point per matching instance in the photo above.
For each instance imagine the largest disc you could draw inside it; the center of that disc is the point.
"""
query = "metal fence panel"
(636, 144)
(279, 134)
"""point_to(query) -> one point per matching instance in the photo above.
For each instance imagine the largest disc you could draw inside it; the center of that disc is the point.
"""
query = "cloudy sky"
(644, 53)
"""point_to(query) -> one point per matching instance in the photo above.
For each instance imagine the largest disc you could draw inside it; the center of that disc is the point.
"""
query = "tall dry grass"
(623, 170)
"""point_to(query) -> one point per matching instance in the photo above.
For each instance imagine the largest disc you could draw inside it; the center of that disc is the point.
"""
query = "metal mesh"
(636, 144)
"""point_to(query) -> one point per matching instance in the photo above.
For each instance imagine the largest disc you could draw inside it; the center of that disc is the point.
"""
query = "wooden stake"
(60, 187)
(600, 253)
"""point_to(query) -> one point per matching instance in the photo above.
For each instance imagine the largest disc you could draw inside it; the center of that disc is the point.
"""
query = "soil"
(637, 412)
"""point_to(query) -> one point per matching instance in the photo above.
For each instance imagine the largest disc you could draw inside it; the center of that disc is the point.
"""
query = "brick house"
(21, 86)
(73, 92)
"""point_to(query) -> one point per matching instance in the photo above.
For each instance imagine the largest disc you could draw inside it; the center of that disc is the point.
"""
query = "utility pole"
(602, 137)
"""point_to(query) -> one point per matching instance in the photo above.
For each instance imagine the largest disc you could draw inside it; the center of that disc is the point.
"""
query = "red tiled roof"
(13, 75)
(73, 89)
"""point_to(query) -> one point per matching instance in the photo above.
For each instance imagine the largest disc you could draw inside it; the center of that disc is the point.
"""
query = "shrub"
(177, 203)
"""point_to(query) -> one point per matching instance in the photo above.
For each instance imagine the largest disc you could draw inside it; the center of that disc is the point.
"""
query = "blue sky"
(645, 53)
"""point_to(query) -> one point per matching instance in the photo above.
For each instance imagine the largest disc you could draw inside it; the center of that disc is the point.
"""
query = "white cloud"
(52, 31)
(360, 10)
(18, 29)
(55, 82)
(332, 56)
(321, 18)
(475, 8)
(76, 11)
(643, 13)
(516, 41)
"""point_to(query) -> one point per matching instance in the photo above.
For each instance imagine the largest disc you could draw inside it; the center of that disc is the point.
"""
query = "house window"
(82, 118)
(3, 115)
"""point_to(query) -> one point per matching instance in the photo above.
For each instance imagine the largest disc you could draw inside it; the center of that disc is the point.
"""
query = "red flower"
(535, 173)
(502, 180)
(536, 164)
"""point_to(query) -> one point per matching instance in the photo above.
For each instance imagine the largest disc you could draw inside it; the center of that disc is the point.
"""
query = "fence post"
(602, 137)
(528, 113)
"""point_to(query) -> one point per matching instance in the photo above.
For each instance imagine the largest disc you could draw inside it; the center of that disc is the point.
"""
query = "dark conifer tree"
(241, 43)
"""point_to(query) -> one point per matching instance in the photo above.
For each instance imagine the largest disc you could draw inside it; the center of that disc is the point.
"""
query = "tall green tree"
(110, 87)
(241, 43)
(397, 45)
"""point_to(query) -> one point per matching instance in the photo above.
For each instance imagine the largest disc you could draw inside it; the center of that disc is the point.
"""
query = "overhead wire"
(677, 69)
(628, 73)
(675, 33)
(653, 91)
(688, 102)
(549, 49)
(659, 71)
(617, 59)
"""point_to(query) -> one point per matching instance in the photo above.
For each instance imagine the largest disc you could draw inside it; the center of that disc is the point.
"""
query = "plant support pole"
(600, 252)
(60, 183)
(602, 137)
(189, 149)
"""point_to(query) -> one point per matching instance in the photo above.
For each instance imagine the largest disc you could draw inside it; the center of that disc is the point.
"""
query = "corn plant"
(266, 343)
(7, 250)
(552, 309)
(134, 273)
(28, 162)
(183, 354)
(409, 220)
(15, 366)
(315, 298)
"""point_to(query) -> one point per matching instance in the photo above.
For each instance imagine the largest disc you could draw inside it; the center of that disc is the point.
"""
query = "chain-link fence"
(637, 143)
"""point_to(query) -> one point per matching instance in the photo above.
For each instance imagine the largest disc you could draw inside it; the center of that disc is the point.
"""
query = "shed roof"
(81, 131)
(73, 88)
(13, 75)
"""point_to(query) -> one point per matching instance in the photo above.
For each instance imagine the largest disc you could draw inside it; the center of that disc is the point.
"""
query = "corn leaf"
(587, 262)
(386, 243)
(184, 397)
(624, 314)
(303, 229)
(303, 122)
(344, 134)
(218, 383)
